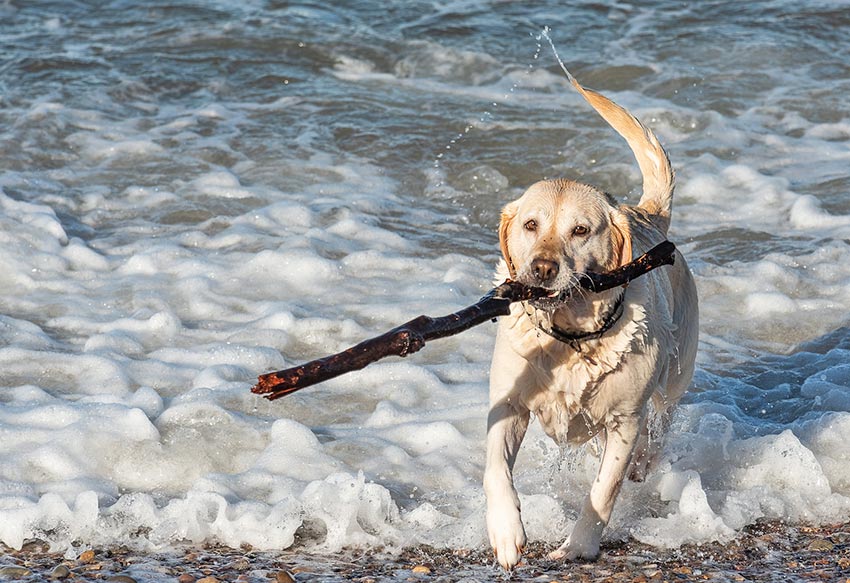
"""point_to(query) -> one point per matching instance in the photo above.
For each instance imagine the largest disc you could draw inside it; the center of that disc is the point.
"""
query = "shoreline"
(765, 552)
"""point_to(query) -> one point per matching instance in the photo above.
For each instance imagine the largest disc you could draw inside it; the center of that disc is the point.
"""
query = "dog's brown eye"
(580, 230)
(530, 225)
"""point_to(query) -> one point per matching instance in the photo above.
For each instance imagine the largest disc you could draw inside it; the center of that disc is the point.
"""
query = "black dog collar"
(573, 337)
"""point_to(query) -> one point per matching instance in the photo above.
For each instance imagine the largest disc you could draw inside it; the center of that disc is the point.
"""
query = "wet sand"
(768, 552)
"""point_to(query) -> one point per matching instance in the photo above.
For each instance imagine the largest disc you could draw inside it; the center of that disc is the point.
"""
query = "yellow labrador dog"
(587, 364)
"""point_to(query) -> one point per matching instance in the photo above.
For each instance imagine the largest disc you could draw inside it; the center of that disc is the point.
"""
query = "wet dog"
(587, 364)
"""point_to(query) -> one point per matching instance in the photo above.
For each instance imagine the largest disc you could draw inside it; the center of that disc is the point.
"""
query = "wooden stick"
(411, 336)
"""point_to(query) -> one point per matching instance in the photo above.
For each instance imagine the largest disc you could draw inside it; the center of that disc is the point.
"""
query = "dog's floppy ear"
(621, 240)
(508, 216)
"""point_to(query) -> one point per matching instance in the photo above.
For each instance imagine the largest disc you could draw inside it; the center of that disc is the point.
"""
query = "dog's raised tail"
(658, 177)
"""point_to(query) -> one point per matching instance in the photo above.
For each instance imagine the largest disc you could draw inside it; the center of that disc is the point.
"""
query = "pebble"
(35, 546)
(86, 556)
(121, 579)
(283, 577)
(14, 572)
(630, 559)
(820, 544)
(185, 578)
(207, 579)
(240, 564)
(60, 572)
(421, 570)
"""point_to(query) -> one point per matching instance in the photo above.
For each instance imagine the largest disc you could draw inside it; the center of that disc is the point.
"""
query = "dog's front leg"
(506, 426)
(596, 511)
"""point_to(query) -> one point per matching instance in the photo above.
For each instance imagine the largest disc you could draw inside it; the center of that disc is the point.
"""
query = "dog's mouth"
(552, 299)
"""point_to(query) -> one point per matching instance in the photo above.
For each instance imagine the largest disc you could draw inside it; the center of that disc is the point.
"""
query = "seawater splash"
(485, 117)
(545, 34)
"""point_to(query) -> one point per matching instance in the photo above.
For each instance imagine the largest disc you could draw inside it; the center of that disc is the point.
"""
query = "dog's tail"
(658, 178)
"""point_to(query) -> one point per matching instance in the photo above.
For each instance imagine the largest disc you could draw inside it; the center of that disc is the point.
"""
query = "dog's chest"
(573, 393)
(562, 399)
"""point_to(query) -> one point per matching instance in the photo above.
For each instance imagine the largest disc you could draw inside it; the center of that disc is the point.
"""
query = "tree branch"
(411, 336)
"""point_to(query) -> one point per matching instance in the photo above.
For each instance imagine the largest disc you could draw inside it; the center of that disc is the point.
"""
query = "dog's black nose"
(545, 270)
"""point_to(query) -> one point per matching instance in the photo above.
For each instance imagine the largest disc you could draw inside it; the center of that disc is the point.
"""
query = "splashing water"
(487, 115)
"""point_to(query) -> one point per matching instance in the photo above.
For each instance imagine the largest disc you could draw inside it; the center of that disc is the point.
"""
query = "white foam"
(220, 184)
(806, 213)
(40, 218)
(693, 521)
(109, 149)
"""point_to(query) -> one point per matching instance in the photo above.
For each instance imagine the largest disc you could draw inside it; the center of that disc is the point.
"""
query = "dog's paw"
(578, 549)
(508, 554)
(507, 537)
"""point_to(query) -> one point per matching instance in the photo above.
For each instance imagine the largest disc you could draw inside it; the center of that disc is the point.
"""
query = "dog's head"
(558, 230)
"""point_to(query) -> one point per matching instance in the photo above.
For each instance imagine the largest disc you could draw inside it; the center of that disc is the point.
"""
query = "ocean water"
(195, 193)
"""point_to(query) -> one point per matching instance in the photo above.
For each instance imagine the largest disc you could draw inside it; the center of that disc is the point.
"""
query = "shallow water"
(196, 193)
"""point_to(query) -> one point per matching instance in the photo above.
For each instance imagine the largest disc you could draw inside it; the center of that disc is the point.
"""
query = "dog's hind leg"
(650, 440)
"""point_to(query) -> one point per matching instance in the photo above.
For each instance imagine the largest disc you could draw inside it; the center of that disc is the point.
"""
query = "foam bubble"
(693, 521)
(109, 149)
(220, 184)
(39, 218)
(807, 213)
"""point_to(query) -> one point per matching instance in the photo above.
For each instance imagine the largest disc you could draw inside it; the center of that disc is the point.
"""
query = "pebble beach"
(769, 552)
